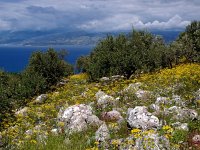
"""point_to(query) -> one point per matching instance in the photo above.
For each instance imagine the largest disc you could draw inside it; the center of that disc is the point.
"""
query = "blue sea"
(15, 58)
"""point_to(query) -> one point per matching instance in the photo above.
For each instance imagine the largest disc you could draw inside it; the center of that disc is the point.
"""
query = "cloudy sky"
(97, 15)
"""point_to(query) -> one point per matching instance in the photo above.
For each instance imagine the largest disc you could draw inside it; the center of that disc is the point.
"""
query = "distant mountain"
(168, 35)
(62, 37)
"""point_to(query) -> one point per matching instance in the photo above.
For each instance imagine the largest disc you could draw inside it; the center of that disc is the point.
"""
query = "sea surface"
(15, 58)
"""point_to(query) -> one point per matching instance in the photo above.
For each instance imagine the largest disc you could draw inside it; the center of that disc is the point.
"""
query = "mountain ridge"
(62, 37)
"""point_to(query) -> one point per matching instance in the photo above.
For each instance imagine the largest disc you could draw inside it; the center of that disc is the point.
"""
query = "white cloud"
(99, 15)
(126, 22)
(4, 25)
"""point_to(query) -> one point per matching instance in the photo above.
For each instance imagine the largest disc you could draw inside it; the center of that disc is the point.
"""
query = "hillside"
(63, 37)
(149, 111)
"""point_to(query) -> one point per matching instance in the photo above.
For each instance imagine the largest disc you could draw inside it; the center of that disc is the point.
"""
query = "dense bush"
(43, 71)
(82, 63)
(49, 65)
(187, 46)
(139, 51)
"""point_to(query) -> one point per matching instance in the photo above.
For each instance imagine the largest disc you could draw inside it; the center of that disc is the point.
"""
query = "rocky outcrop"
(104, 100)
(181, 114)
(112, 116)
(152, 141)
(40, 99)
(180, 126)
(104, 79)
(102, 134)
(22, 112)
(139, 117)
(132, 87)
(77, 118)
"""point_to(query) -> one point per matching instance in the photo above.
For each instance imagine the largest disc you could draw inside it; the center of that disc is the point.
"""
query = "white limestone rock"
(180, 126)
(22, 112)
(155, 142)
(142, 94)
(99, 94)
(139, 117)
(104, 79)
(132, 87)
(155, 107)
(54, 131)
(112, 116)
(102, 134)
(104, 100)
(162, 100)
(180, 114)
(41, 98)
(77, 118)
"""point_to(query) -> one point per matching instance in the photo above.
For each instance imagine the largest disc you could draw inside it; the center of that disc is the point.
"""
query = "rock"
(41, 98)
(117, 99)
(29, 132)
(196, 139)
(117, 77)
(180, 126)
(132, 87)
(77, 118)
(54, 131)
(102, 134)
(142, 94)
(22, 112)
(180, 114)
(174, 108)
(104, 100)
(197, 95)
(111, 116)
(152, 141)
(161, 100)
(104, 79)
(176, 99)
(139, 117)
(154, 107)
(63, 82)
(99, 94)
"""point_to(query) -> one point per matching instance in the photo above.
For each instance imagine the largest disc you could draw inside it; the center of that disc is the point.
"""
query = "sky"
(97, 15)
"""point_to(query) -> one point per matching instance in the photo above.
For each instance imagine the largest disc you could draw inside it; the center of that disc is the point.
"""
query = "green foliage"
(194, 125)
(82, 63)
(49, 66)
(187, 46)
(179, 136)
(124, 55)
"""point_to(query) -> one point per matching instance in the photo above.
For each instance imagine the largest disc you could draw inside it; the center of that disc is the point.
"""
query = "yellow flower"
(61, 124)
(166, 127)
(33, 141)
(135, 131)
(168, 136)
(115, 142)
(96, 143)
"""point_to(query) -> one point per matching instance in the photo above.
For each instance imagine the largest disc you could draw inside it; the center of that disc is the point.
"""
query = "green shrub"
(49, 66)
(179, 136)
(194, 125)
(124, 55)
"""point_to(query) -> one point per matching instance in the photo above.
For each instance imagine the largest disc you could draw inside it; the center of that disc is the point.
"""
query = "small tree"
(49, 65)
(82, 63)
(188, 43)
